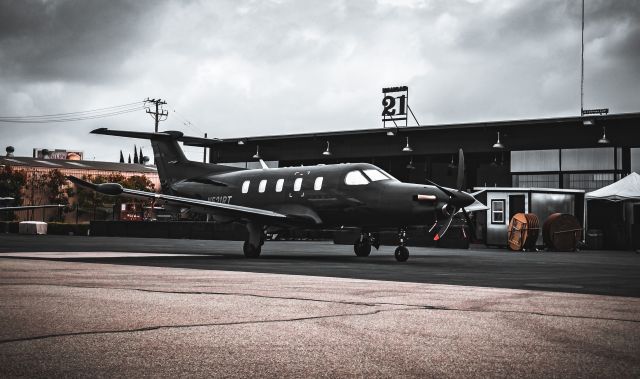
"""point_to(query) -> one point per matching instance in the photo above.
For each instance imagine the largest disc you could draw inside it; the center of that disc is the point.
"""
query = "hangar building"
(581, 153)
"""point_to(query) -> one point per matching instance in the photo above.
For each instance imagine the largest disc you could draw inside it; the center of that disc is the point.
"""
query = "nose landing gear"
(402, 253)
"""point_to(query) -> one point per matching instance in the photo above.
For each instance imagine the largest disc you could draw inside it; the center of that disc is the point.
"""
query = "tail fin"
(169, 158)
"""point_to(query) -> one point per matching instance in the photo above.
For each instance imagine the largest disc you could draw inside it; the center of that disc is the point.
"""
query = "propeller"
(458, 199)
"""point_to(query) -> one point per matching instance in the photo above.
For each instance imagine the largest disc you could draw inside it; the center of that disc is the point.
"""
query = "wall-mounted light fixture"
(498, 144)
(327, 152)
(495, 161)
(451, 164)
(588, 122)
(257, 154)
(604, 140)
(391, 133)
(240, 142)
(408, 147)
(410, 166)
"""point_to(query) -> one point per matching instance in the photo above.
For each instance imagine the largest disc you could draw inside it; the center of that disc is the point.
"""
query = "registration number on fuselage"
(220, 199)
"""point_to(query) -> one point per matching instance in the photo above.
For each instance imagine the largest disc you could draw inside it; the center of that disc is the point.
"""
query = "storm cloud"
(243, 68)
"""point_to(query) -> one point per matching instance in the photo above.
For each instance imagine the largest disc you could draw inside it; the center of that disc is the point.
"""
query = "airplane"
(269, 199)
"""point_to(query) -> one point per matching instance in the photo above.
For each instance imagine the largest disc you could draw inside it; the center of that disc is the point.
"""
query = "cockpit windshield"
(375, 175)
(359, 178)
(355, 178)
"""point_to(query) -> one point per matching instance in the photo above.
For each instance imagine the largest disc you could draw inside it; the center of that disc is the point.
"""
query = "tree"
(11, 183)
(121, 157)
(90, 199)
(55, 187)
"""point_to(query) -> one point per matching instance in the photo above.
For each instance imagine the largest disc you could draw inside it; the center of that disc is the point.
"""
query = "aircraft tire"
(251, 251)
(402, 254)
(362, 248)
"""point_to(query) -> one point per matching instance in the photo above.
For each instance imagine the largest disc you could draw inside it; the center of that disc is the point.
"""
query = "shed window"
(297, 184)
(279, 185)
(355, 178)
(245, 186)
(262, 186)
(497, 211)
(317, 185)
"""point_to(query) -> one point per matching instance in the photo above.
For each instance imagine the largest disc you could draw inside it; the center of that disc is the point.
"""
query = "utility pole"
(204, 155)
(582, 66)
(159, 114)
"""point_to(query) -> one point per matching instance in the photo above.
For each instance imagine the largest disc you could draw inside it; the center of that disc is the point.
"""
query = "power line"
(80, 112)
(188, 123)
(75, 116)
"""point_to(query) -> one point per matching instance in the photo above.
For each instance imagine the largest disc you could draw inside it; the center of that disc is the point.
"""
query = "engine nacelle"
(112, 189)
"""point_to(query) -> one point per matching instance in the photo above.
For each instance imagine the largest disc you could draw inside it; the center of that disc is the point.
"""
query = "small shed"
(505, 202)
(615, 210)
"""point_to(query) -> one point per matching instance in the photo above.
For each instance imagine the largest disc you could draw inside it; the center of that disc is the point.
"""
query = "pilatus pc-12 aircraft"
(269, 199)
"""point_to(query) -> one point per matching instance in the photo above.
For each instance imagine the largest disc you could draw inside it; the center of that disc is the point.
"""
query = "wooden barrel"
(523, 231)
(561, 232)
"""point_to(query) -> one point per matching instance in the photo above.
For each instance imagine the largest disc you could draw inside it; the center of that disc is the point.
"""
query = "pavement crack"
(357, 303)
(159, 327)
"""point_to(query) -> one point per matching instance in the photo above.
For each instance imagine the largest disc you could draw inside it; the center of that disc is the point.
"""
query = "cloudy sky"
(245, 68)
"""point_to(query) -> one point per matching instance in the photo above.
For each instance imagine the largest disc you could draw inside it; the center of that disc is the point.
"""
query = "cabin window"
(262, 186)
(375, 175)
(355, 178)
(497, 211)
(297, 184)
(279, 185)
(317, 185)
(245, 186)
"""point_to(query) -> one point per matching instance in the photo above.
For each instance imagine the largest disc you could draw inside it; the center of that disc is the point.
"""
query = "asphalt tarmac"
(89, 306)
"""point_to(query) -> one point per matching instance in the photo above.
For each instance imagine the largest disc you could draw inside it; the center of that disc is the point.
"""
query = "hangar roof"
(623, 130)
(77, 165)
(574, 120)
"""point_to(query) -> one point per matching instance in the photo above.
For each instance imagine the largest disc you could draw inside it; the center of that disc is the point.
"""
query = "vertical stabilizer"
(169, 158)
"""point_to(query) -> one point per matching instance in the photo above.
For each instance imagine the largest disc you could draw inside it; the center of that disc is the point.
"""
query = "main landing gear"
(362, 246)
(253, 246)
(402, 253)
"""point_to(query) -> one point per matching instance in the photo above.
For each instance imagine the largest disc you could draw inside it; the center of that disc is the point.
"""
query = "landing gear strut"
(253, 246)
(362, 246)
(402, 253)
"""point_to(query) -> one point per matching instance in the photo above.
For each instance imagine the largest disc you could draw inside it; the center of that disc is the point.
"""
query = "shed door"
(516, 205)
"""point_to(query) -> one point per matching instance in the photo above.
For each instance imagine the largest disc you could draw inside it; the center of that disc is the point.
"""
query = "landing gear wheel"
(251, 251)
(402, 254)
(362, 248)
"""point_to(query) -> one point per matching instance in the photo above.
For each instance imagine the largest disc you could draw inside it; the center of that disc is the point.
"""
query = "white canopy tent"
(627, 188)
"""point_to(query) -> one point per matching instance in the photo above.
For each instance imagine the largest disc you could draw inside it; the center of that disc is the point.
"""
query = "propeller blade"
(466, 216)
(445, 227)
(460, 180)
(451, 194)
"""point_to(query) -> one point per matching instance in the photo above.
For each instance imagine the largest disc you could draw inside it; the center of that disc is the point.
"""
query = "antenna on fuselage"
(264, 165)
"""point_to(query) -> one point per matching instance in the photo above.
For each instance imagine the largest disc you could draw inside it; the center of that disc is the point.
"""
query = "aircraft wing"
(229, 210)
(25, 207)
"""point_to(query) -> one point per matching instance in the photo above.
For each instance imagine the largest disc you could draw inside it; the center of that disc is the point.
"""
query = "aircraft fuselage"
(358, 194)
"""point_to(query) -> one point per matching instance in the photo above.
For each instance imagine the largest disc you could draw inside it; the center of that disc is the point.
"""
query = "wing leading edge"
(232, 210)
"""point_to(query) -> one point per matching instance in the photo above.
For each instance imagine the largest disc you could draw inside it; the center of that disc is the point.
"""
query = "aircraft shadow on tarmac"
(432, 268)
